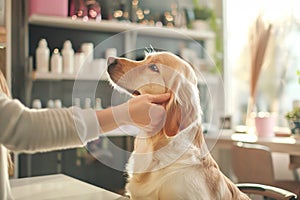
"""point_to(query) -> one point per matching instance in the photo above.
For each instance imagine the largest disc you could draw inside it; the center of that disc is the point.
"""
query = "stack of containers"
(70, 62)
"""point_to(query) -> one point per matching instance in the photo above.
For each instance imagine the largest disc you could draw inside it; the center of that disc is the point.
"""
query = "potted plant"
(203, 15)
(293, 118)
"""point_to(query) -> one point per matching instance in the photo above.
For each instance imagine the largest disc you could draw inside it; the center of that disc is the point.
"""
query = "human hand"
(145, 111)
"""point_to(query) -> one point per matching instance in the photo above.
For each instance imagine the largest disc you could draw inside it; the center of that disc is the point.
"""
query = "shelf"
(206, 78)
(117, 27)
(57, 77)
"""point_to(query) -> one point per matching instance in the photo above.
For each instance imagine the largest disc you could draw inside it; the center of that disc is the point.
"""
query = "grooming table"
(58, 186)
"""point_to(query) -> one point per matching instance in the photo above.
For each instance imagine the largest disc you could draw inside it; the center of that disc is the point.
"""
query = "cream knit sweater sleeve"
(30, 130)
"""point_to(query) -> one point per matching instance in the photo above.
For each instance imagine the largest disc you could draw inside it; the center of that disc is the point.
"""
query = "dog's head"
(160, 72)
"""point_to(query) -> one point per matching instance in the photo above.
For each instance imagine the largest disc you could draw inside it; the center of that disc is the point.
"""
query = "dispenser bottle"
(77, 102)
(88, 50)
(42, 56)
(50, 103)
(58, 103)
(98, 104)
(56, 62)
(68, 57)
(78, 61)
(87, 103)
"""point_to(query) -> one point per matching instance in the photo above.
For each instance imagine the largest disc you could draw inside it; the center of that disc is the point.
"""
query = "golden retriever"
(174, 163)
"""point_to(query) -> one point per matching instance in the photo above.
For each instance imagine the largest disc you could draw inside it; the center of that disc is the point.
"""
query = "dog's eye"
(154, 68)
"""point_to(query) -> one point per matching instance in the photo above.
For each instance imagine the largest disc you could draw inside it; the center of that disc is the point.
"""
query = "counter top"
(227, 138)
(58, 186)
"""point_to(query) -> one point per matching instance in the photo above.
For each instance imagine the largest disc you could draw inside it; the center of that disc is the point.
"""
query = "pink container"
(49, 7)
(265, 126)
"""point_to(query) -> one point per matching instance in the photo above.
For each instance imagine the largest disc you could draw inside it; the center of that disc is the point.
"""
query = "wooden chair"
(294, 165)
(253, 163)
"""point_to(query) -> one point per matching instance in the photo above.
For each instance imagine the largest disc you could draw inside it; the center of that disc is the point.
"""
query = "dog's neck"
(156, 141)
(160, 151)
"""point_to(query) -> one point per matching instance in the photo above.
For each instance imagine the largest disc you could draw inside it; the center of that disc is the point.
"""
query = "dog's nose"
(111, 61)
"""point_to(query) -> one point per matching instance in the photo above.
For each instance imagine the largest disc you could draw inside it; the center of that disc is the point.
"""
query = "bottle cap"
(67, 44)
(56, 51)
(87, 47)
(37, 104)
(43, 43)
(50, 103)
(57, 103)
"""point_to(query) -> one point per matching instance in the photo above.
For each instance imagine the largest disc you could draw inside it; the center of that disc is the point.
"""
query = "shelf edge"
(116, 27)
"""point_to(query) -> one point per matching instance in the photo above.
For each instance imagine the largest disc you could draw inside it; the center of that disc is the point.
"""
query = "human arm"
(30, 130)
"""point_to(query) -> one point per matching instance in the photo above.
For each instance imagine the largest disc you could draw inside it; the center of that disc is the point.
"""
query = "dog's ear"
(183, 107)
(172, 124)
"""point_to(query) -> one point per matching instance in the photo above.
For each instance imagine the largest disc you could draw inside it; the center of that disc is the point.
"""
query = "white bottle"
(68, 57)
(78, 61)
(87, 103)
(57, 103)
(88, 50)
(37, 104)
(56, 62)
(77, 102)
(42, 56)
(50, 103)
(98, 104)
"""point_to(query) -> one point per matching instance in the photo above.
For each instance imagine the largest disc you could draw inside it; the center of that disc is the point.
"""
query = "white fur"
(174, 170)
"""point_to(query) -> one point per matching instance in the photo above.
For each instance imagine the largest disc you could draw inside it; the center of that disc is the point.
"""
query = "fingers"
(159, 98)
(143, 111)
(155, 122)
(157, 116)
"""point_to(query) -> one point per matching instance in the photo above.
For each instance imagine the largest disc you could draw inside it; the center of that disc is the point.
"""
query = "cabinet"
(130, 40)
(77, 163)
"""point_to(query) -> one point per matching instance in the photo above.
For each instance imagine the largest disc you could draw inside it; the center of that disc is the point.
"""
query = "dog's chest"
(173, 155)
(172, 182)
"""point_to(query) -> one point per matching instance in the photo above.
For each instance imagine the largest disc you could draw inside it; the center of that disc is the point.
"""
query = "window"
(278, 84)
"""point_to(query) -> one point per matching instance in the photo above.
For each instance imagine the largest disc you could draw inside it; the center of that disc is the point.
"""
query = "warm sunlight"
(278, 80)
